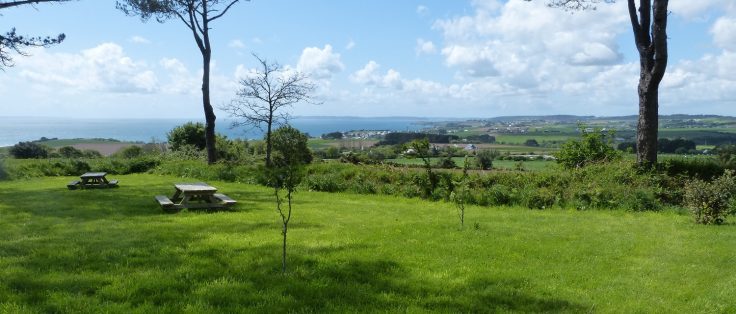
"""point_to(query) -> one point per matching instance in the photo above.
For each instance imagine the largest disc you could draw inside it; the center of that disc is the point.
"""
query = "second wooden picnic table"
(93, 180)
(195, 195)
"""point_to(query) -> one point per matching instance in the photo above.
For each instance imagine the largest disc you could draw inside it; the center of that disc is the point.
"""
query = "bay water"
(17, 129)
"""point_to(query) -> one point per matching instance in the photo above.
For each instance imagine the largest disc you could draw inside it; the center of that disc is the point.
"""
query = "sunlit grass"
(115, 251)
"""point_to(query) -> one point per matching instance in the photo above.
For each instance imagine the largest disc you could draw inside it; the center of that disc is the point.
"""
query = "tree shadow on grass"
(165, 274)
(359, 285)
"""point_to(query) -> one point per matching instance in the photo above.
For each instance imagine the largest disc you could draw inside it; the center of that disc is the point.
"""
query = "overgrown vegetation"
(593, 147)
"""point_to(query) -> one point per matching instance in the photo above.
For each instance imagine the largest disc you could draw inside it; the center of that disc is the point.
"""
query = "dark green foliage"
(675, 146)
(531, 143)
(232, 150)
(406, 137)
(594, 147)
(447, 163)
(290, 147)
(711, 202)
(540, 198)
(701, 168)
(130, 152)
(90, 153)
(332, 136)
(483, 138)
(484, 158)
(629, 147)
(727, 155)
(29, 150)
(190, 133)
(70, 152)
(3, 173)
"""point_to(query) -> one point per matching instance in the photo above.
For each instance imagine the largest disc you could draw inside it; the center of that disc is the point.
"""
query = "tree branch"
(224, 11)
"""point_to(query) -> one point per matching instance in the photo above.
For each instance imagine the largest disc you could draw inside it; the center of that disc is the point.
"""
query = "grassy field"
(114, 251)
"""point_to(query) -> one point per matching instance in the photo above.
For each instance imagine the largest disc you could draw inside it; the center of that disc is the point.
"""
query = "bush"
(29, 150)
(190, 133)
(531, 143)
(540, 198)
(3, 173)
(700, 168)
(130, 152)
(484, 158)
(594, 147)
(711, 202)
(70, 152)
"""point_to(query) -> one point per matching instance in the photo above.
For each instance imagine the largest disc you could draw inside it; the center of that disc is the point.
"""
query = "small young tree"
(264, 95)
(461, 193)
(285, 172)
(423, 150)
(484, 158)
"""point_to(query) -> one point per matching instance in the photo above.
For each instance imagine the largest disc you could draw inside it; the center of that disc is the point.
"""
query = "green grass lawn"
(115, 251)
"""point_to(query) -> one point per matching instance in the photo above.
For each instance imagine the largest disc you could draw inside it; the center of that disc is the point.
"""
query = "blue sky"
(373, 58)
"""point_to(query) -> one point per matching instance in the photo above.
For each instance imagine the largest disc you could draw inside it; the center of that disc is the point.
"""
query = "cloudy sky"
(432, 58)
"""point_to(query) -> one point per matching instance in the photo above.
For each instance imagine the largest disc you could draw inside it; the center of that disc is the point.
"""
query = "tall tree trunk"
(209, 113)
(652, 47)
(647, 128)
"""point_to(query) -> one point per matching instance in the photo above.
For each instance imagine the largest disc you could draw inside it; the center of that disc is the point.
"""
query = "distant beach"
(17, 129)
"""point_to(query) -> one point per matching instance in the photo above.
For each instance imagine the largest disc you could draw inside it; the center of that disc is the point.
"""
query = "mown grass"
(92, 251)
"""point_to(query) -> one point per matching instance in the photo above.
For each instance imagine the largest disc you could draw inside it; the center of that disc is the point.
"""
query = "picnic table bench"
(194, 195)
(92, 180)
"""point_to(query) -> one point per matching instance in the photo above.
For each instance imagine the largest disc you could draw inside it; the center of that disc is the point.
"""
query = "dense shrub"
(594, 147)
(700, 168)
(29, 150)
(484, 158)
(70, 152)
(531, 143)
(711, 202)
(540, 198)
(190, 133)
(3, 173)
(133, 151)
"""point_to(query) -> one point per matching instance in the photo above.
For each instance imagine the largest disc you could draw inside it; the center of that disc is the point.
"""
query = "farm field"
(115, 251)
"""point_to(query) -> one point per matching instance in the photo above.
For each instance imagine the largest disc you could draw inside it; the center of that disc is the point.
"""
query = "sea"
(20, 129)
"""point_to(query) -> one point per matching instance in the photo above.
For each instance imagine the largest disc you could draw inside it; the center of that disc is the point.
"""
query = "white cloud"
(181, 81)
(320, 63)
(102, 68)
(724, 33)
(701, 8)
(236, 44)
(139, 40)
(366, 75)
(425, 47)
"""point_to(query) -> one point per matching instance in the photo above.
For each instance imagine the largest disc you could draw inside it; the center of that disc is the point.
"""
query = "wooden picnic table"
(195, 195)
(93, 180)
